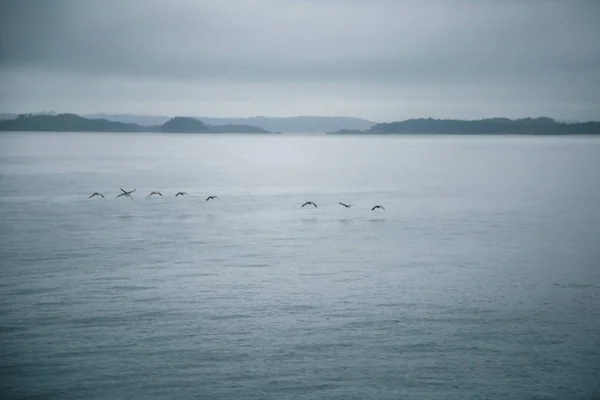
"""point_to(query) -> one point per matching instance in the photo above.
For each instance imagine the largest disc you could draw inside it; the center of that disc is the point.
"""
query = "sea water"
(479, 280)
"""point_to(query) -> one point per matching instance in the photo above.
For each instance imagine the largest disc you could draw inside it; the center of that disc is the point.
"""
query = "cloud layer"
(380, 59)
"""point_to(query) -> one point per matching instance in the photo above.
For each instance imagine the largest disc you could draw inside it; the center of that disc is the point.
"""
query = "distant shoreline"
(76, 123)
(456, 134)
(424, 126)
(293, 124)
(493, 126)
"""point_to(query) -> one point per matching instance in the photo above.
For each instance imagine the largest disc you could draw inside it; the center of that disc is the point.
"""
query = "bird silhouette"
(345, 205)
(126, 193)
(377, 206)
(180, 194)
(211, 197)
(96, 194)
(309, 202)
(158, 193)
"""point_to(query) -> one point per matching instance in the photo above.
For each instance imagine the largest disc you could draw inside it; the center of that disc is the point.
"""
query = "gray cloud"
(383, 59)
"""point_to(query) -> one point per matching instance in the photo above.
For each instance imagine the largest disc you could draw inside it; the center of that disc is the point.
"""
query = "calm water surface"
(481, 280)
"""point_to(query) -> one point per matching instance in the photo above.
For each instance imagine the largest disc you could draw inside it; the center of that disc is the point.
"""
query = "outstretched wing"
(101, 195)
(122, 194)
(92, 195)
(159, 193)
(123, 190)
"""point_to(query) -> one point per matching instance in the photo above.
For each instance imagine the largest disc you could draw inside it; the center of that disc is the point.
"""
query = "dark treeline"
(75, 123)
(525, 126)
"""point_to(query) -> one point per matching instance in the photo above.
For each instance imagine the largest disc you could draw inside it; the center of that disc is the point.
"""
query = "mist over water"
(480, 280)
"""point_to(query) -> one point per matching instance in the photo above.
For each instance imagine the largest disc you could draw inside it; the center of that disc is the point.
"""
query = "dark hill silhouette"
(76, 123)
(184, 125)
(525, 126)
(296, 124)
(192, 125)
(65, 122)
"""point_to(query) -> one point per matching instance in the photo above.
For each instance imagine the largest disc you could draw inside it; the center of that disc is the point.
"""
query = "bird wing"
(383, 207)
(92, 196)
(123, 190)
(308, 202)
(159, 193)
(101, 195)
(122, 194)
(373, 208)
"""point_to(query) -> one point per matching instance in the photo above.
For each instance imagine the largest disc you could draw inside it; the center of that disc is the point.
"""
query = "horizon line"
(86, 115)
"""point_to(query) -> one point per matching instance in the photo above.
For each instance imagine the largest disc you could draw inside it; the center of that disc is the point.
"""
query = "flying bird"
(158, 193)
(126, 193)
(96, 194)
(377, 206)
(309, 202)
(211, 197)
(345, 205)
(180, 194)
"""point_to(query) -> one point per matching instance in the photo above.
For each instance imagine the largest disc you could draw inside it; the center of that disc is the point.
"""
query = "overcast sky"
(379, 59)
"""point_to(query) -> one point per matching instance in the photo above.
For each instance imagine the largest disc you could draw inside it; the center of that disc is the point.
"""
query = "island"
(493, 126)
(76, 123)
(297, 124)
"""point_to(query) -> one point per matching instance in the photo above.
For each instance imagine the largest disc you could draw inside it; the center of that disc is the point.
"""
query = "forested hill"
(192, 125)
(296, 124)
(66, 123)
(76, 123)
(525, 126)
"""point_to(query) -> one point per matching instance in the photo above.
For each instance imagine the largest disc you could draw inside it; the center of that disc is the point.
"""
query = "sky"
(384, 60)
